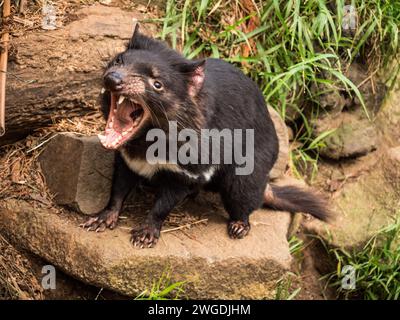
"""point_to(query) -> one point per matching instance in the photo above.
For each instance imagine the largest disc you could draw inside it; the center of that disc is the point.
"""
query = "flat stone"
(78, 172)
(368, 201)
(354, 135)
(213, 265)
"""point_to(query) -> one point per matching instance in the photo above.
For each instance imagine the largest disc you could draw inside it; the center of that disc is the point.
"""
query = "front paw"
(238, 229)
(105, 219)
(146, 236)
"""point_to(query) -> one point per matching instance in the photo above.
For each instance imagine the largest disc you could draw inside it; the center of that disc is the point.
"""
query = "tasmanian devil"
(149, 86)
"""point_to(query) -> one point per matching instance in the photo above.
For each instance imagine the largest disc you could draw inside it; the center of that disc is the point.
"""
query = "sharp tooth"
(121, 99)
(124, 133)
(101, 137)
(103, 90)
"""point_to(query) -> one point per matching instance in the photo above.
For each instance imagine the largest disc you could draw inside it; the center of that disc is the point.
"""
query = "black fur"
(226, 98)
(294, 199)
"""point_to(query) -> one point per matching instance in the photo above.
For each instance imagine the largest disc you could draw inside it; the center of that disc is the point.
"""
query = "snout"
(113, 81)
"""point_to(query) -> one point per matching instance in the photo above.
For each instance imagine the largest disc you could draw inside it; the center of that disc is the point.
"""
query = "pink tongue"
(121, 122)
(122, 118)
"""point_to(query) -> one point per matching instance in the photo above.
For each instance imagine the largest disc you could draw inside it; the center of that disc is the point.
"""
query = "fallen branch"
(25, 22)
(3, 69)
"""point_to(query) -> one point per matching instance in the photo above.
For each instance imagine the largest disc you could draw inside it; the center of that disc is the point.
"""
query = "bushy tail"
(295, 199)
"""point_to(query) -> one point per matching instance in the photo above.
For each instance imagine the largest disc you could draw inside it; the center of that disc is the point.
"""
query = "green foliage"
(377, 267)
(163, 289)
(284, 290)
(296, 246)
(293, 45)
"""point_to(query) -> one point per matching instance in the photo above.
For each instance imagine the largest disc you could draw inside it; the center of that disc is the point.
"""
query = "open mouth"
(125, 118)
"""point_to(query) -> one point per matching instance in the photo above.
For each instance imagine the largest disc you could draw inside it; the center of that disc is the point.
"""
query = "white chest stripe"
(147, 170)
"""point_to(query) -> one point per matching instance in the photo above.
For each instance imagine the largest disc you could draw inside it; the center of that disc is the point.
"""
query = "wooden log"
(3, 68)
(57, 74)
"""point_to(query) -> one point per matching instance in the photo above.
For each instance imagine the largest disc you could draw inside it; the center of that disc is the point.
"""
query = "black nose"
(113, 81)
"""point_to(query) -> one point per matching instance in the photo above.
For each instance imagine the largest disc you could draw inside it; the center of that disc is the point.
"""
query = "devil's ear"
(134, 43)
(194, 71)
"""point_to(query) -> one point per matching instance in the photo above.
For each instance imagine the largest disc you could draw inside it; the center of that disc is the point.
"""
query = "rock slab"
(78, 172)
(213, 265)
(354, 135)
(367, 202)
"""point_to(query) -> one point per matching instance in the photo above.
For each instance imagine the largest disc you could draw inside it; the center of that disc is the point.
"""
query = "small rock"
(78, 171)
(364, 204)
(354, 135)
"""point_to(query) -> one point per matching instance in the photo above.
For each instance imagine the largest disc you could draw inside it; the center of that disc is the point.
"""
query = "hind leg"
(241, 195)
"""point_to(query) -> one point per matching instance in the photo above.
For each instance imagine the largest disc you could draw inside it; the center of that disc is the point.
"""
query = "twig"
(22, 6)
(25, 22)
(3, 68)
(53, 136)
(188, 225)
(17, 77)
(367, 79)
(98, 294)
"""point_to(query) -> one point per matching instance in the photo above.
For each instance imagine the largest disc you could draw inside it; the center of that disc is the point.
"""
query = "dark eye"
(118, 60)
(157, 85)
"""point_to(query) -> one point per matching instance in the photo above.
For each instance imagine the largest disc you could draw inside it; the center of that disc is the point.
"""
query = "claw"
(238, 229)
(146, 237)
(99, 223)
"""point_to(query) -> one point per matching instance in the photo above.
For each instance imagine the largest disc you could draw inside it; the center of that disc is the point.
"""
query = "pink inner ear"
(197, 80)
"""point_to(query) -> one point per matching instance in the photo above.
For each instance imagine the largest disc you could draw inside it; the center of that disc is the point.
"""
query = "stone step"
(213, 265)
